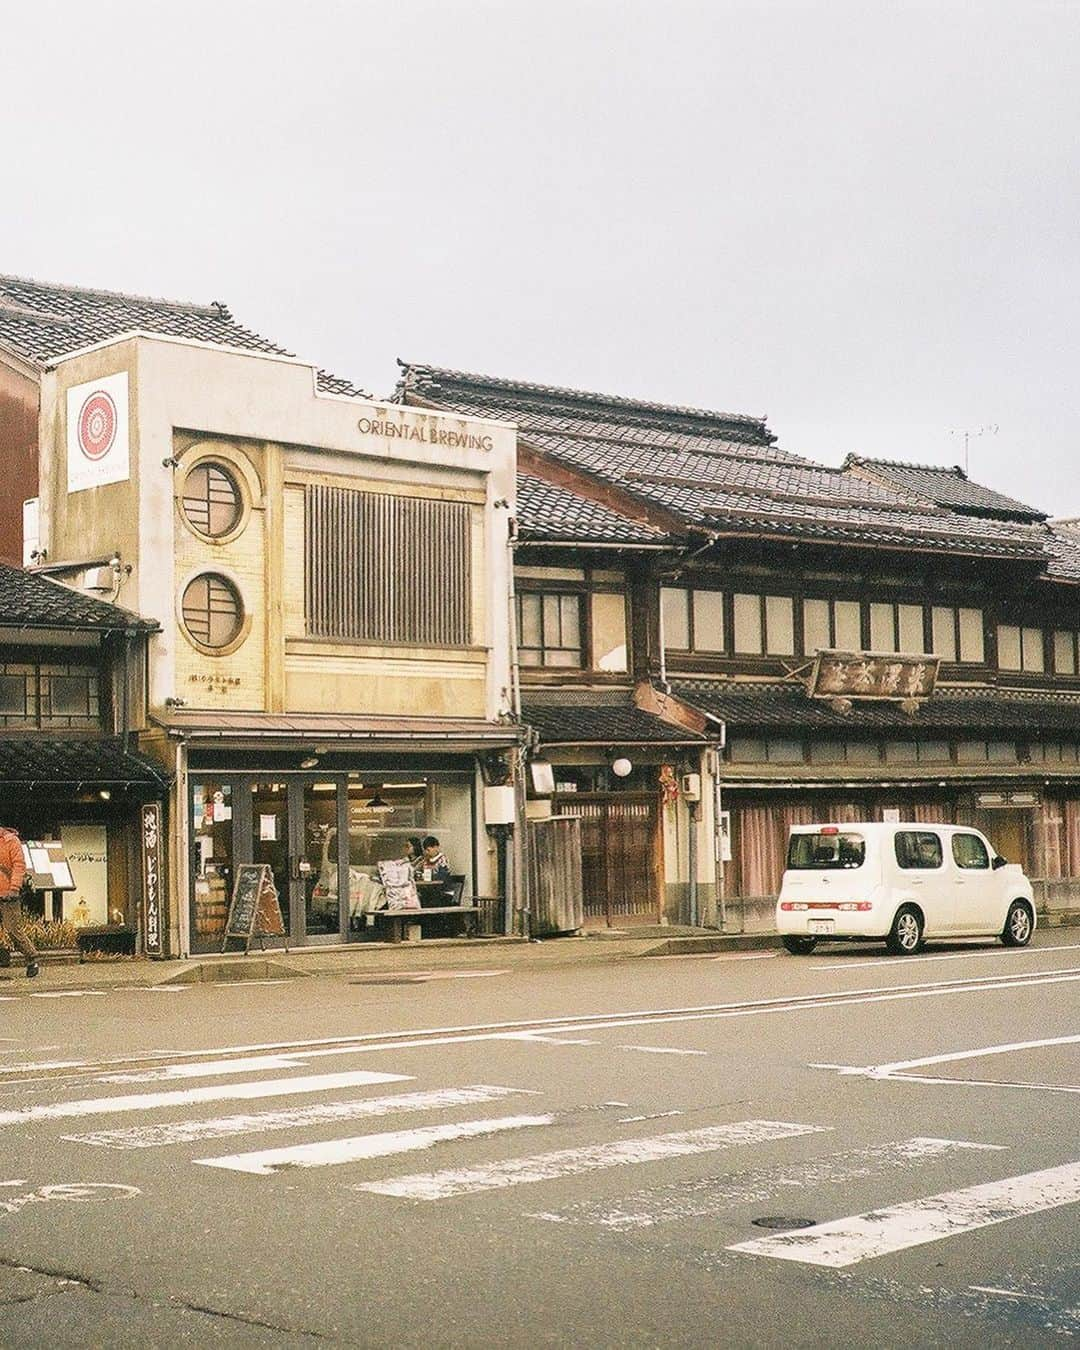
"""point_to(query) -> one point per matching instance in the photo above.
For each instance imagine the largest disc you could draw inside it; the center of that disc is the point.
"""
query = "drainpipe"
(692, 806)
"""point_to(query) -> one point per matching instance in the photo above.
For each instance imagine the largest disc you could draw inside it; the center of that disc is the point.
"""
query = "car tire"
(799, 946)
(1018, 925)
(906, 934)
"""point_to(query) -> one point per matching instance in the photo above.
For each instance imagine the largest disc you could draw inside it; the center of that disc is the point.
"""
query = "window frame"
(245, 615)
(543, 592)
(214, 464)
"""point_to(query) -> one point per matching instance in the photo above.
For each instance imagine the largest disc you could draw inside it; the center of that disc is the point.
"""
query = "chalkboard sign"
(254, 910)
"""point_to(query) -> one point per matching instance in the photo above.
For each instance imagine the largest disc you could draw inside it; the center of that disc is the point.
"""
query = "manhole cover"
(782, 1221)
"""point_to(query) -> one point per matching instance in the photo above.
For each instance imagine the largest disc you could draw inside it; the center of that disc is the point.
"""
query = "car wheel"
(1018, 926)
(800, 946)
(905, 935)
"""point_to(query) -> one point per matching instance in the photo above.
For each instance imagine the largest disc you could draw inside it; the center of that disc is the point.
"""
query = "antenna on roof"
(989, 430)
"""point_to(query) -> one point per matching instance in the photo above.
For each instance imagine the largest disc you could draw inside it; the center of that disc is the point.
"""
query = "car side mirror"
(999, 861)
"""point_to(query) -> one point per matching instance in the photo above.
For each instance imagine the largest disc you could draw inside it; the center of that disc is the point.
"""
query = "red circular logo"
(97, 425)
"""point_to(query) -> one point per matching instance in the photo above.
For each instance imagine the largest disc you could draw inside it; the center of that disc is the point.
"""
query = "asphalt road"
(572, 1157)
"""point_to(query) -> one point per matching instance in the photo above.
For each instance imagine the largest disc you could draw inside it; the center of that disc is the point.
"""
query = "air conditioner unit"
(690, 787)
(101, 579)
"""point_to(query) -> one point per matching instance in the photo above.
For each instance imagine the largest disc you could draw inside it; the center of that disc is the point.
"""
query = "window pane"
(944, 633)
(847, 618)
(708, 621)
(918, 850)
(70, 695)
(1033, 649)
(933, 752)
(815, 626)
(550, 621)
(882, 633)
(746, 750)
(212, 501)
(912, 638)
(826, 752)
(608, 632)
(779, 625)
(529, 611)
(900, 752)
(785, 752)
(212, 611)
(971, 752)
(1001, 752)
(969, 851)
(1064, 653)
(13, 695)
(748, 623)
(675, 614)
(1008, 645)
(971, 636)
(570, 617)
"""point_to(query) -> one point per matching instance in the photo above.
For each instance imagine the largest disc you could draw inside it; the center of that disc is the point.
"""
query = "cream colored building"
(331, 574)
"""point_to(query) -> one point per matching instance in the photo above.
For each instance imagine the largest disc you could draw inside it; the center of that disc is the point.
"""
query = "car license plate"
(821, 925)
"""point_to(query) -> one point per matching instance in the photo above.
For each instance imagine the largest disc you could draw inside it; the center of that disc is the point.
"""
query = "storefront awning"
(35, 762)
(281, 729)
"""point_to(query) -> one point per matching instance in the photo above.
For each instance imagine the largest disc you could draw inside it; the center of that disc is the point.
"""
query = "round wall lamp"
(621, 767)
(311, 762)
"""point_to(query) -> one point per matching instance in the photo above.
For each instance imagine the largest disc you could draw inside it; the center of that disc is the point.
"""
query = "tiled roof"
(40, 322)
(946, 486)
(28, 599)
(597, 717)
(548, 511)
(785, 707)
(1063, 548)
(29, 762)
(718, 471)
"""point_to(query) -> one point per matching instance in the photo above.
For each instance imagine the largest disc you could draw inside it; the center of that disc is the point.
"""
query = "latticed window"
(381, 568)
(550, 629)
(60, 694)
(212, 500)
(213, 611)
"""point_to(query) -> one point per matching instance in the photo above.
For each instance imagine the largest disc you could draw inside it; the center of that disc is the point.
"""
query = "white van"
(899, 883)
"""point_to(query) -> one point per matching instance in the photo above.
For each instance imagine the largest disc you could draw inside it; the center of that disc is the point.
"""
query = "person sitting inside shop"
(433, 865)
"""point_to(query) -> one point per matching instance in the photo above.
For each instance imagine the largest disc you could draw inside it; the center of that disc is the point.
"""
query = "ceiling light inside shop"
(310, 762)
(382, 807)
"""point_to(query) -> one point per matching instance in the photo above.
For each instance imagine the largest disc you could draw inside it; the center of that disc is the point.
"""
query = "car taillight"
(793, 904)
(860, 905)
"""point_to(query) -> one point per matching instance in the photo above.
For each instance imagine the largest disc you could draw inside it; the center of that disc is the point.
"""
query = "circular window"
(212, 500)
(213, 611)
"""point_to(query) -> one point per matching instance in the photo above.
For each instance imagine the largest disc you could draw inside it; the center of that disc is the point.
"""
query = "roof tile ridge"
(215, 309)
(767, 454)
(869, 461)
(584, 395)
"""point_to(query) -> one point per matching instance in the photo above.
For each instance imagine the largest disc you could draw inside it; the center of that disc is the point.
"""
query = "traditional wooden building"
(72, 705)
(946, 611)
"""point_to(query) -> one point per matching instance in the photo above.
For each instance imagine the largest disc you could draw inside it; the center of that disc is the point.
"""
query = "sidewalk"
(372, 958)
(429, 956)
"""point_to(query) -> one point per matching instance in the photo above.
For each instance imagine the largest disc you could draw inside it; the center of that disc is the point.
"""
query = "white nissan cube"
(899, 883)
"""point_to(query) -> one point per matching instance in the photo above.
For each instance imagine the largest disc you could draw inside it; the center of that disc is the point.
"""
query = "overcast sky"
(861, 219)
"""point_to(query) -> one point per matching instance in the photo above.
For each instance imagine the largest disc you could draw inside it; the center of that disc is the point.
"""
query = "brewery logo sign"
(97, 433)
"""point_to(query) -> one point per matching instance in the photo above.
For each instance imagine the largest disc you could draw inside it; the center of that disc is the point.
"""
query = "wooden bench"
(396, 920)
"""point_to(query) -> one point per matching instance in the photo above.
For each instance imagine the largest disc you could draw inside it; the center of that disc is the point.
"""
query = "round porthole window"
(213, 611)
(212, 500)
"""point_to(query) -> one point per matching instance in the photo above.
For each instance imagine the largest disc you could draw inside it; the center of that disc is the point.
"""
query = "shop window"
(212, 862)
(212, 500)
(1020, 648)
(384, 568)
(1065, 653)
(550, 629)
(213, 611)
(764, 625)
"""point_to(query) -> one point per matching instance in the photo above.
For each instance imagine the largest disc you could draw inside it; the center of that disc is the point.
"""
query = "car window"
(917, 849)
(826, 851)
(968, 850)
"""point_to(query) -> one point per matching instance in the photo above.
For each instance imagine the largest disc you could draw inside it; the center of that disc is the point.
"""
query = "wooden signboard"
(254, 910)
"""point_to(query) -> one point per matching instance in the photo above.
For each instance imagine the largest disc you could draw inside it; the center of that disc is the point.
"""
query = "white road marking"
(425, 976)
(748, 956)
(330, 1152)
(574, 1161)
(244, 984)
(662, 1050)
(845, 1242)
(655, 1115)
(536, 1037)
(206, 1069)
(1005, 1293)
(902, 1070)
(1009, 953)
(709, 1196)
(68, 993)
(193, 1131)
(148, 1101)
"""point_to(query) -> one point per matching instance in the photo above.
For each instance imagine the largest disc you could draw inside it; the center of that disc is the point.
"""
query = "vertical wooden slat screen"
(380, 568)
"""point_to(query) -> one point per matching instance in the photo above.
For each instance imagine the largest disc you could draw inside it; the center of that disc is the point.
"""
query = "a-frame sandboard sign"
(254, 910)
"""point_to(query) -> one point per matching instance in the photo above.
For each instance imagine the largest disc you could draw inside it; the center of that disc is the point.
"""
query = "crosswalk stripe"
(260, 1122)
(860, 1237)
(205, 1069)
(706, 1197)
(219, 1092)
(329, 1152)
(573, 1161)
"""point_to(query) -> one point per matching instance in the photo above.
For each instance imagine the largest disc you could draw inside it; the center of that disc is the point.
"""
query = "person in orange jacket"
(12, 873)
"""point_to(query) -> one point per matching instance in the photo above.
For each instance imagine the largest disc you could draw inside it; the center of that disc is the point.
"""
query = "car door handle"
(916, 881)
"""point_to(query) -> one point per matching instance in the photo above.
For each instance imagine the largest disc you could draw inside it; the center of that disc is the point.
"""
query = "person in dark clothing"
(12, 875)
(433, 865)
